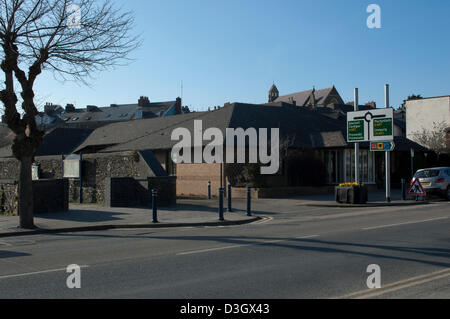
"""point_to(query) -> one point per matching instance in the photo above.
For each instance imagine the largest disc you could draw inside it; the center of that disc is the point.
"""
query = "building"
(427, 115)
(93, 116)
(310, 98)
(313, 137)
(310, 133)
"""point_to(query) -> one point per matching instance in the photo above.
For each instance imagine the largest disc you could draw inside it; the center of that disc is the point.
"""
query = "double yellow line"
(399, 285)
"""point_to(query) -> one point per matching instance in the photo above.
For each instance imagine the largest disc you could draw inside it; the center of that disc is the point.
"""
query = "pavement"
(187, 213)
(376, 199)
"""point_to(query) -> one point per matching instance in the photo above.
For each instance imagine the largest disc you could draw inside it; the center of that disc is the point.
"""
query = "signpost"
(377, 127)
(72, 170)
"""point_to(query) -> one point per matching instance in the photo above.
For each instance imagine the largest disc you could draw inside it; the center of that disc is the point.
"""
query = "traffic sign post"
(375, 125)
(416, 189)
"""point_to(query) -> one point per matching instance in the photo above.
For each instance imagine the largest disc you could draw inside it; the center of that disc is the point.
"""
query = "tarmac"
(187, 213)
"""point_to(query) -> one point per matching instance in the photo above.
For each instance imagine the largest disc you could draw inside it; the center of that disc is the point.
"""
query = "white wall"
(422, 114)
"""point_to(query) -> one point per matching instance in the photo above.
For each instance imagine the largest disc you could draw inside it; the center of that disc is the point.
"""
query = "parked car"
(435, 181)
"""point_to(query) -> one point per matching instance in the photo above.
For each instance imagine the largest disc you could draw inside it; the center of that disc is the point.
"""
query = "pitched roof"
(302, 97)
(59, 141)
(298, 123)
(62, 141)
(115, 113)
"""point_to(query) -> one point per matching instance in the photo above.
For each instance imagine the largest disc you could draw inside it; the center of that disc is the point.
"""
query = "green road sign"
(356, 131)
(382, 127)
(370, 126)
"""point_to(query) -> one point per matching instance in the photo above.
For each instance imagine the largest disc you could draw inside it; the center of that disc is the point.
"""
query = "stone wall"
(8, 197)
(49, 196)
(166, 187)
(132, 192)
(96, 169)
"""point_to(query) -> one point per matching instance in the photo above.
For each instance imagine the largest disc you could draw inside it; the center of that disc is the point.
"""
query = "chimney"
(70, 108)
(143, 101)
(48, 107)
(91, 108)
(372, 104)
(178, 106)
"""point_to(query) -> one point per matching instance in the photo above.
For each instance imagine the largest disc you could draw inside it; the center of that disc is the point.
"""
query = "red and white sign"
(416, 189)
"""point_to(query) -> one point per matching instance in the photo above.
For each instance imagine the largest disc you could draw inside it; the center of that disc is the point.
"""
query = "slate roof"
(59, 141)
(62, 141)
(123, 112)
(302, 97)
(154, 134)
(306, 128)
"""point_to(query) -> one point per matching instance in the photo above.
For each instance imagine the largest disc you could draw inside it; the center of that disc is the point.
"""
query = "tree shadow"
(312, 245)
(85, 216)
(11, 254)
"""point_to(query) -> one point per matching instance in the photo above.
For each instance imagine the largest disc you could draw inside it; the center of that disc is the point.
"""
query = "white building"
(426, 115)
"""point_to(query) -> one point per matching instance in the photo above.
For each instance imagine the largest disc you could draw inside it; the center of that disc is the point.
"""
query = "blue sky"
(233, 50)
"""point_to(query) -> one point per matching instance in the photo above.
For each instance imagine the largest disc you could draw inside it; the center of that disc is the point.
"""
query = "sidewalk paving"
(93, 217)
(376, 199)
(187, 213)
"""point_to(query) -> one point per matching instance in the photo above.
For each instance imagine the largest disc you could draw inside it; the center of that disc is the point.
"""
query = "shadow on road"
(330, 247)
(84, 216)
(11, 254)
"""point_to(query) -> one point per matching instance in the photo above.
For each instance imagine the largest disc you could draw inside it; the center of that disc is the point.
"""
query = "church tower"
(273, 94)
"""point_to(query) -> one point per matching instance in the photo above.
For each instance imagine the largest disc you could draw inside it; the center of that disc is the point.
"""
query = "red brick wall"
(192, 179)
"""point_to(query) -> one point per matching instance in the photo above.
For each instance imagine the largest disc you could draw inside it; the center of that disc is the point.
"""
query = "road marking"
(37, 273)
(402, 284)
(4, 243)
(408, 223)
(413, 284)
(239, 246)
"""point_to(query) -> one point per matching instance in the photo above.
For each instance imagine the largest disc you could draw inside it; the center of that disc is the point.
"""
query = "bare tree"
(71, 40)
(434, 138)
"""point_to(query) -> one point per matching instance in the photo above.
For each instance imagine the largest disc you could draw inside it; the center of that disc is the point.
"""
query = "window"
(366, 166)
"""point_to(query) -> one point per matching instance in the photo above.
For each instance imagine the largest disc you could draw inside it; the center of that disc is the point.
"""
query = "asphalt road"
(300, 252)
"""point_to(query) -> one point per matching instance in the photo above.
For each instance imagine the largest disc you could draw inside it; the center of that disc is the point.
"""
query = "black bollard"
(221, 191)
(249, 200)
(154, 205)
(403, 189)
(209, 190)
(230, 209)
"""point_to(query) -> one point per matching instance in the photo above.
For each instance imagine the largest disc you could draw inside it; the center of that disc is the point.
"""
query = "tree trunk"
(26, 194)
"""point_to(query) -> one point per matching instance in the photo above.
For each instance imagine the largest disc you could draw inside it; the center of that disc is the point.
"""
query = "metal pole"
(221, 191)
(154, 205)
(230, 209)
(81, 179)
(249, 201)
(357, 179)
(388, 156)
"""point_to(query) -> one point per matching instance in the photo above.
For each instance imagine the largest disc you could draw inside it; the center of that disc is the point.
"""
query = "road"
(297, 252)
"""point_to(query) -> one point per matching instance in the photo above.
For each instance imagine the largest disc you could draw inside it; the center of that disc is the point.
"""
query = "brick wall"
(192, 179)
